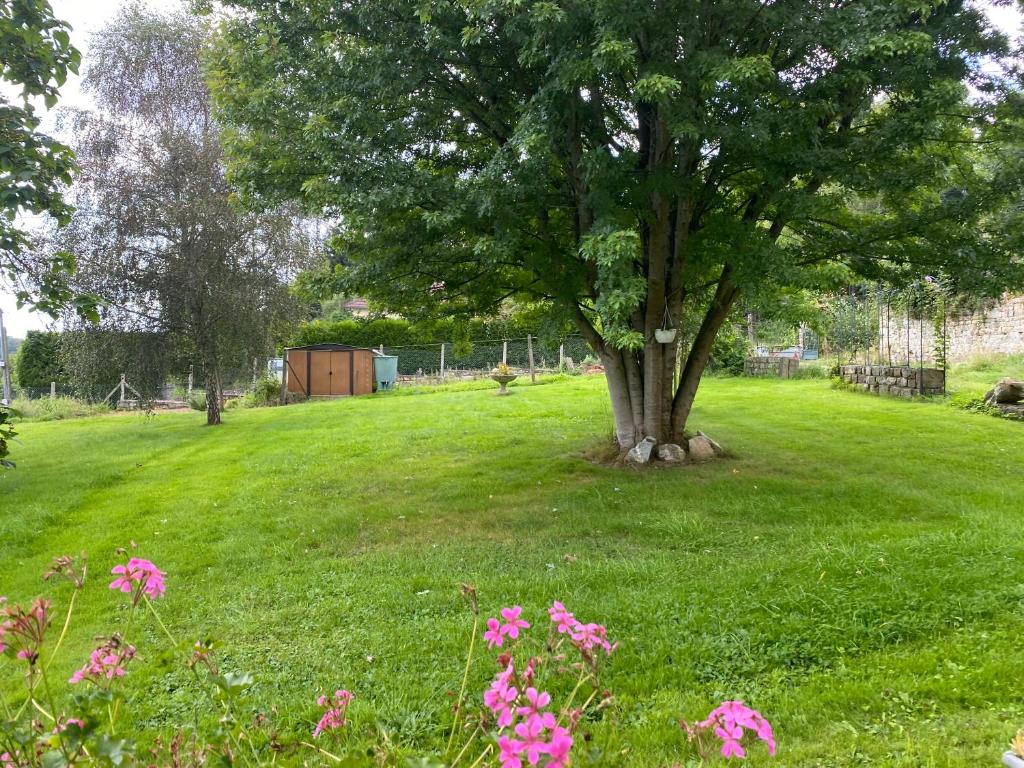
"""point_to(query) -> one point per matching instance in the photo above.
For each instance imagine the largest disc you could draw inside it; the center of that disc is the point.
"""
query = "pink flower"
(588, 636)
(534, 712)
(559, 748)
(493, 635)
(730, 720)
(532, 732)
(105, 663)
(334, 716)
(561, 618)
(510, 749)
(512, 623)
(732, 748)
(500, 697)
(149, 578)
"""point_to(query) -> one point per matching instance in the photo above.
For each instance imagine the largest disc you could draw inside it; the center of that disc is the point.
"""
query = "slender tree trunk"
(214, 394)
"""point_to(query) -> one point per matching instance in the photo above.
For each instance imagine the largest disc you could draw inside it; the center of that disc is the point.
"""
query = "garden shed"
(328, 370)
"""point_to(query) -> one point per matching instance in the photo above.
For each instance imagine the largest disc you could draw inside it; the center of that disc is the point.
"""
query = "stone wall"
(896, 381)
(782, 367)
(995, 331)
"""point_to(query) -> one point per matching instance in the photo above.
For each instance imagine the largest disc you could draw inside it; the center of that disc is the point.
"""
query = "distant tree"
(38, 361)
(635, 162)
(155, 231)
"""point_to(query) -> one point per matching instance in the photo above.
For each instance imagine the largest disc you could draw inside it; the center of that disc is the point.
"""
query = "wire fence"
(472, 358)
(419, 363)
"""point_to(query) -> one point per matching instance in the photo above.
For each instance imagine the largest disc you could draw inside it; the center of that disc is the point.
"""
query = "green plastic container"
(385, 370)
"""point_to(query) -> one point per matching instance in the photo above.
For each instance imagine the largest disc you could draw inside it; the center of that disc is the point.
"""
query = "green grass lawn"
(856, 572)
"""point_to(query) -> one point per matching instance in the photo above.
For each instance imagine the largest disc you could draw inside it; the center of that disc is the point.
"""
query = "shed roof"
(330, 347)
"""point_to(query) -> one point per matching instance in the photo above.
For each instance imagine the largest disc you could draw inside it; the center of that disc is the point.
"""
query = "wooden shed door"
(341, 368)
(320, 372)
(364, 373)
(298, 376)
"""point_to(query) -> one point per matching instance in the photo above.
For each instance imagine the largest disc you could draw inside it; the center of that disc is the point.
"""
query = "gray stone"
(641, 452)
(671, 453)
(1007, 391)
(700, 449)
(719, 450)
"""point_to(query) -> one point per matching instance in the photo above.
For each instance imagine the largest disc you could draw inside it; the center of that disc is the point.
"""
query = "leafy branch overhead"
(36, 55)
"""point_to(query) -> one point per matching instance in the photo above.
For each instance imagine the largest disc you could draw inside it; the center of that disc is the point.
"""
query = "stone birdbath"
(504, 379)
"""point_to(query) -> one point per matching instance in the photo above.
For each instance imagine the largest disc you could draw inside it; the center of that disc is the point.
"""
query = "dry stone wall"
(896, 381)
(998, 330)
(782, 367)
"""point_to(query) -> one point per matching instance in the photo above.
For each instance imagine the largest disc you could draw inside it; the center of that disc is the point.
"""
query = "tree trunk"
(214, 394)
(643, 399)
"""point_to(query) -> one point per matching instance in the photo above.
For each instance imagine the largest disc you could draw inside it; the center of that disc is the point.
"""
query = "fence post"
(529, 352)
(53, 390)
(442, 361)
(122, 386)
(188, 397)
(561, 357)
(5, 357)
(504, 353)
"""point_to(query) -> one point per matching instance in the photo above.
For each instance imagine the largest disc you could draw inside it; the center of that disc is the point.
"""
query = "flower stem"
(63, 631)
(482, 756)
(464, 748)
(322, 751)
(462, 689)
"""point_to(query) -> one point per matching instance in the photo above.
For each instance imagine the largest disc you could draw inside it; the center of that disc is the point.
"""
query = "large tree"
(155, 231)
(637, 162)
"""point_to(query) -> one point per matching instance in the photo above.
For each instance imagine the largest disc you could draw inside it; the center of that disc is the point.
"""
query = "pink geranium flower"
(559, 748)
(493, 635)
(563, 620)
(512, 623)
(105, 663)
(535, 711)
(730, 721)
(500, 697)
(510, 749)
(148, 577)
(334, 717)
(532, 735)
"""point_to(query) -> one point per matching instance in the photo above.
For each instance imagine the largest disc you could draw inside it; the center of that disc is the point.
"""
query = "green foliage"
(730, 351)
(39, 361)
(56, 408)
(398, 332)
(816, 574)
(7, 434)
(35, 54)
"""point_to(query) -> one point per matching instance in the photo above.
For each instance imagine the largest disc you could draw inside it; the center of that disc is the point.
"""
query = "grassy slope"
(855, 573)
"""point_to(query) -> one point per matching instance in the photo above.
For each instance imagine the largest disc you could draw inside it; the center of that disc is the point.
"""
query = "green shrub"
(56, 409)
(811, 372)
(729, 352)
(198, 401)
(267, 391)
(38, 361)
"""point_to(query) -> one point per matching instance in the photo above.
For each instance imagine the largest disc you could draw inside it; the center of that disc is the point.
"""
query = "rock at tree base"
(719, 450)
(1007, 391)
(641, 452)
(700, 448)
(671, 453)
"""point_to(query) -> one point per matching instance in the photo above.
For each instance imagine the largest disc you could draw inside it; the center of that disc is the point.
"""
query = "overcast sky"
(87, 16)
